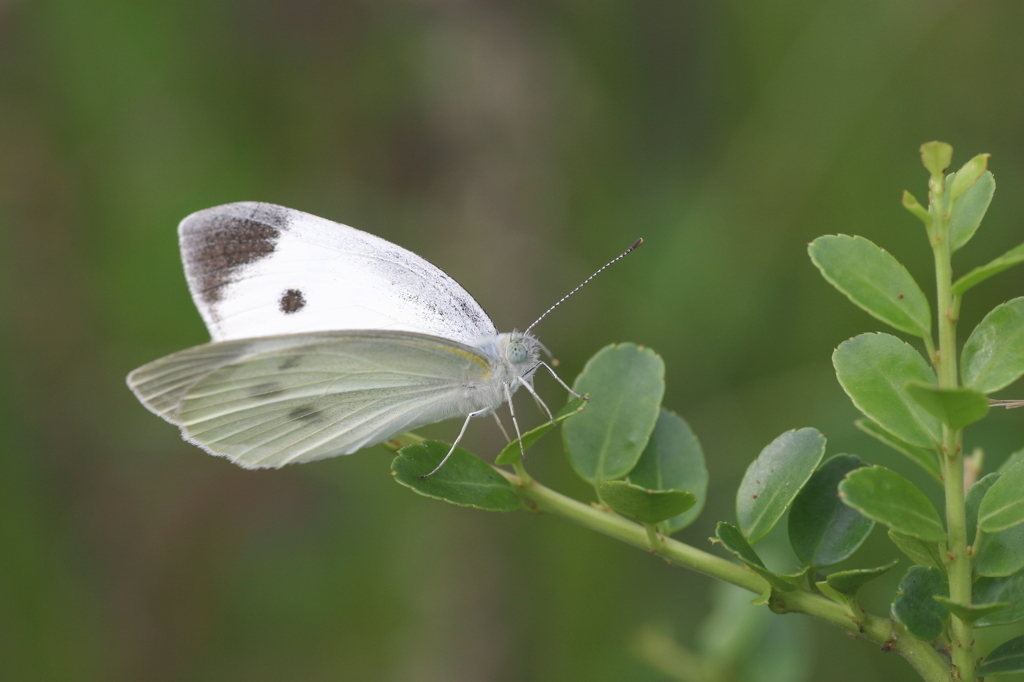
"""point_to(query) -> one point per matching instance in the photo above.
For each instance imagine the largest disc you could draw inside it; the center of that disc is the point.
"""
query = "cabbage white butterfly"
(325, 340)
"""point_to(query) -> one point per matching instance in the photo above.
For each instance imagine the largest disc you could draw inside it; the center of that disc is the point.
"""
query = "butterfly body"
(325, 340)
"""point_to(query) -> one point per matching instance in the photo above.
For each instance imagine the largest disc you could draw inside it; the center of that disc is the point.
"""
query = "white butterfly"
(325, 340)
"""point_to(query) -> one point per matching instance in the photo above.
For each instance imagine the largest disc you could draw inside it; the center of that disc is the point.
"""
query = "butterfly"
(325, 340)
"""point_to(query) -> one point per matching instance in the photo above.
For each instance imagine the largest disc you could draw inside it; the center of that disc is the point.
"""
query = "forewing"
(259, 270)
(277, 400)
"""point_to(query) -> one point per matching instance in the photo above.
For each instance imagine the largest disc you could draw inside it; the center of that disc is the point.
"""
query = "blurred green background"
(518, 146)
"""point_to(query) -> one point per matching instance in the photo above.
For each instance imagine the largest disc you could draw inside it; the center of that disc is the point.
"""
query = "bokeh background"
(518, 146)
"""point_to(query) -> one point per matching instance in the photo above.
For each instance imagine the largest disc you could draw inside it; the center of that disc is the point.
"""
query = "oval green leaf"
(874, 280)
(673, 460)
(914, 607)
(925, 459)
(955, 407)
(733, 541)
(973, 502)
(885, 496)
(511, 453)
(849, 582)
(774, 479)
(643, 505)
(921, 553)
(1008, 657)
(969, 209)
(873, 369)
(464, 480)
(625, 383)
(1014, 457)
(968, 175)
(993, 590)
(993, 356)
(822, 530)
(980, 274)
(1000, 554)
(1003, 504)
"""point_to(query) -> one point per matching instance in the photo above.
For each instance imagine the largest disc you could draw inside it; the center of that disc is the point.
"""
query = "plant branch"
(928, 663)
(958, 563)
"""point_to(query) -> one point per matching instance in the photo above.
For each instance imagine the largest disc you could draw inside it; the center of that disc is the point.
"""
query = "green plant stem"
(928, 663)
(958, 563)
(521, 471)
(652, 536)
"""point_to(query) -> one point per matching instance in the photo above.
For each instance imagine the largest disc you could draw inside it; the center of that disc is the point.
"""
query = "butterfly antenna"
(622, 255)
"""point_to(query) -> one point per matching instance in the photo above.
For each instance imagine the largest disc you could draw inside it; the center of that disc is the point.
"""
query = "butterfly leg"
(501, 426)
(512, 410)
(456, 443)
(559, 379)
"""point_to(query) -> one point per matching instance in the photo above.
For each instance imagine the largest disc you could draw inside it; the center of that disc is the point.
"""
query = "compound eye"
(516, 353)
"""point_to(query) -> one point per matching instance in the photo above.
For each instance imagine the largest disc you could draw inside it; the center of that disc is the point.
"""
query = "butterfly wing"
(276, 400)
(258, 269)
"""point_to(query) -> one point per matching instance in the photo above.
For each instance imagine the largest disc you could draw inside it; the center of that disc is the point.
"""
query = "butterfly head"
(522, 352)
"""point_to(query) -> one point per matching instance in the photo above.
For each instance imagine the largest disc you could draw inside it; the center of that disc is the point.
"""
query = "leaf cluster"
(918, 405)
(642, 459)
(645, 464)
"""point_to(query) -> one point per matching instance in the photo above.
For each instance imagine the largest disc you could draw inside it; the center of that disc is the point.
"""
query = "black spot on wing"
(219, 242)
(292, 301)
(290, 362)
(306, 413)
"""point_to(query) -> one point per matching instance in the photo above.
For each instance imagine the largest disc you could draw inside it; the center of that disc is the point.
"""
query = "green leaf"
(774, 479)
(969, 210)
(511, 453)
(912, 205)
(973, 501)
(464, 480)
(936, 157)
(968, 175)
(885, 496)
(970, 612)
(625, 383)
(914, 607)
(823, 530)
(920, 552)
(645, 506)
(848, 583)
(733, 541)
(993, 590)
(673, 460)
(833, 594)
(980, 274)
(923, 458)
(1003, 504)
(993, 356)
(955, 407)
(1011, 460)
(873, 280)
(1000, 554)
(1008, 657)
(873, 369)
